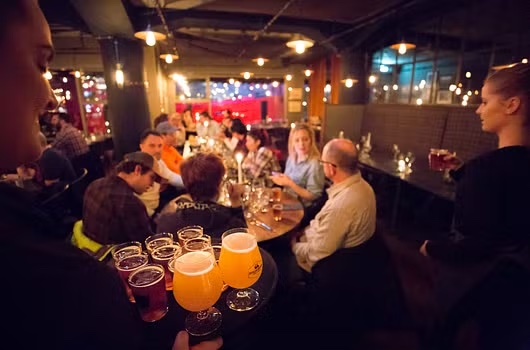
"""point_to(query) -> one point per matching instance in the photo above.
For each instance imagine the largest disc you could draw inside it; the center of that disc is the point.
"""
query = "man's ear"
(513, 104)
(138, 170)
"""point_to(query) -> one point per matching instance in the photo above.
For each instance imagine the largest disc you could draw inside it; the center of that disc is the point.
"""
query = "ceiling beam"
(105, 17)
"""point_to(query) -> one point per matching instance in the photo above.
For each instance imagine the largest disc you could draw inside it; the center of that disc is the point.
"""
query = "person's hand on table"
(182, 343)
(234, 192)
(281, 179)
(452, 162)
(423, 249)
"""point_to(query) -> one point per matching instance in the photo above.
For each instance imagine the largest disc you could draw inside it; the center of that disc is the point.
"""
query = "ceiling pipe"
(267, 26)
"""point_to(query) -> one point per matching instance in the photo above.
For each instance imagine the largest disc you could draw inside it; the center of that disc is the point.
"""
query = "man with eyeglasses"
(347, 219)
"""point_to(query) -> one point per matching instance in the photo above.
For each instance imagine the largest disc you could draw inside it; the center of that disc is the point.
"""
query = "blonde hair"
(313, 151)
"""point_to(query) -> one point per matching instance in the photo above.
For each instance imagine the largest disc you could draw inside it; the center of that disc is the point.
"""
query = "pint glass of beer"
(241, 265)
(126, 249)
(128, 265)
(162, 255)
(148, 287)
(189, 232)
(277, 210)
(154, 241)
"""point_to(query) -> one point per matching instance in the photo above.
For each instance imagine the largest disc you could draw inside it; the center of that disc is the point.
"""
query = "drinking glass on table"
(157, 240)
(162, 255)
(189, 232)
(197, 286)
(126, 249)
(241, 265)
(127, 266)
(147, 285)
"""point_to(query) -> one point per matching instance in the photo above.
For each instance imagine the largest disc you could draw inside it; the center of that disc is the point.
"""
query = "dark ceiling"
(231, 32)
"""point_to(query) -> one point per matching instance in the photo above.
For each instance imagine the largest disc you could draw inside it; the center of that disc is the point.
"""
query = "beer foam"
(194, 263)
(240, 242)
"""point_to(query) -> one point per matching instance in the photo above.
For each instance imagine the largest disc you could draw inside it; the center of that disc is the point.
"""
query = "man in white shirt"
(348, 216)
(151, 142)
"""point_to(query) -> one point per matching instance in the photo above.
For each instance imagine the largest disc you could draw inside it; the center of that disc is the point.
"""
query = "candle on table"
(239, 159)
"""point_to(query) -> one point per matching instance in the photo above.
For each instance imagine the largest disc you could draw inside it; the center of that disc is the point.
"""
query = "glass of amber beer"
(197, 286)
(127, 265)
(241, 265)
(157, 240)
(189, 232)
(162, 255)
(149, 290)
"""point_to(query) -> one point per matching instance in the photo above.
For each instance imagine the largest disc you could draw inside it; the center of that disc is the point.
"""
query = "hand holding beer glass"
(197, 286)
(241, 265)
(442, 159)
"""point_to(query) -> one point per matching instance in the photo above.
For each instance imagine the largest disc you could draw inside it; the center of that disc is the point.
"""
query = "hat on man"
(166, 128)
(146, 160)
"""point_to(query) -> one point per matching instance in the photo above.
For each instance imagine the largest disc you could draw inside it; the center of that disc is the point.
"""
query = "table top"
(291, 218)
(161, 334)
(421, 176)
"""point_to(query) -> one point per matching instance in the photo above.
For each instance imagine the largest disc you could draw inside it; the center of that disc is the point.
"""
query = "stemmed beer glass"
(241, 265)
(197, 285)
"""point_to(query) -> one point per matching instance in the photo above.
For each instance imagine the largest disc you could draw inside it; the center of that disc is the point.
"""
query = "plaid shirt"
(261, 163)
(70, 142)
(113, 214)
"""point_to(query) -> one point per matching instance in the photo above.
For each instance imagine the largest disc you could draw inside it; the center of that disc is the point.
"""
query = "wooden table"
(290, 219)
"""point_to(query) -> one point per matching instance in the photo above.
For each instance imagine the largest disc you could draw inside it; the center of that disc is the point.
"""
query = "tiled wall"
(419, 128)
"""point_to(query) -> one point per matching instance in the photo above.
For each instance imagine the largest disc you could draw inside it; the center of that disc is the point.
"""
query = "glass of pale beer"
(197, 286)
(241, 265)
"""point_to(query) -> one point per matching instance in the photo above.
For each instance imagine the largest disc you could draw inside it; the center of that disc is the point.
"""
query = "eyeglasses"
(325, 162)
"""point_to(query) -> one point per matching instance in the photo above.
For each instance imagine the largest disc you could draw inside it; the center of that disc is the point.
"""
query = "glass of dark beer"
(149, 290)
(162, 255)
(128, 265)
(437, 159)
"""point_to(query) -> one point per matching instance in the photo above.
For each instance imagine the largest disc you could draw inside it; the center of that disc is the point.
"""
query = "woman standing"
(484, 266)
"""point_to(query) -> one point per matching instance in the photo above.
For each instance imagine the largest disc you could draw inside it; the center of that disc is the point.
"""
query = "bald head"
(342, 153)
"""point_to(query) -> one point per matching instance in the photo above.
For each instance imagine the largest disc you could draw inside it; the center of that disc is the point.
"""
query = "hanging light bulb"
(169, 59)
(48, 75)
(288, 77)
(348, 82)
(299, 48)
(150, 38)
(120, 78)
(402, 49)
(77, 74)
(300, 44)
(308, 72)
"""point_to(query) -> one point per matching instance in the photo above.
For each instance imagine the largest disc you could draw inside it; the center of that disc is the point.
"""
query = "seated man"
(69, 140)
(151, 143)
(207, 127)
(202, 175)
(170, 156)
(53, 166)
(348, 216)
(111, 212)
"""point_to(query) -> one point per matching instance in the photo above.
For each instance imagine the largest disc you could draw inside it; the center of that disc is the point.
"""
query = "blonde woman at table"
(86, 305)
(303, 176)
(260, 161)
(484, 265)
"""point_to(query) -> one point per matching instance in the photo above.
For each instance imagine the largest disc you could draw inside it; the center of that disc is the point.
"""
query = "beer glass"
(128, 265)
(162, 255)
(437, 160)
(277, 194)
(277, 210)
(154, 241)
(241, 265)
(197, 286)
(189, 232)
(126, 249)
(147, 285)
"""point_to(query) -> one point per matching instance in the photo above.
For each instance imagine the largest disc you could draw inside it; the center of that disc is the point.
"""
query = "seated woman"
(303, 176)
(260, 161)
(202, 175)
(238, 141)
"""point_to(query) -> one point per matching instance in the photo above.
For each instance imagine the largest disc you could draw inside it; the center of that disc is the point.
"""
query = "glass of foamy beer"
(126, 249)
(149, 290)
(241, 265)
(197, 286)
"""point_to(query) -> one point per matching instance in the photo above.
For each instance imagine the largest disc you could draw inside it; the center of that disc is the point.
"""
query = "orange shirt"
(172, 158)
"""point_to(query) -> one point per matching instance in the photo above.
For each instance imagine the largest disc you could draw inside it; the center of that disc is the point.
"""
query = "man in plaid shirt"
(69, 140)
(111, 212)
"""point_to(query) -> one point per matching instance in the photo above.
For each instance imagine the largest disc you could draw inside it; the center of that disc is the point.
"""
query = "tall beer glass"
(197, 286)
(241, 265)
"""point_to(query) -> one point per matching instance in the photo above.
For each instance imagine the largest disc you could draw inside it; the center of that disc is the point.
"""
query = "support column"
(128, 110)
(293, 93)
(354, 65)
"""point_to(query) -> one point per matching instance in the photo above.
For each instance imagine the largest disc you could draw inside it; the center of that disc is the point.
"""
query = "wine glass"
(197, 285)
(241, 265)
